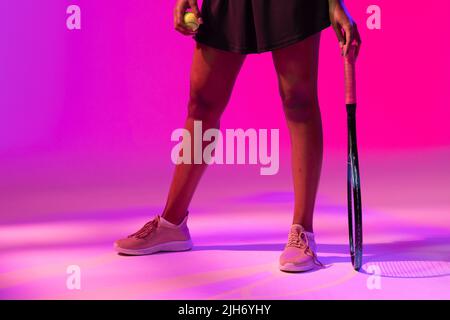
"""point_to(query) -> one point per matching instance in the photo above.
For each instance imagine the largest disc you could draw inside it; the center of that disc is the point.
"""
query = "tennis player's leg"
(213, 75)
(297, 68)
(212, 79)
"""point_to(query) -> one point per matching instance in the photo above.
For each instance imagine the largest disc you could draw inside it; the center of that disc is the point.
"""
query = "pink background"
(120, 84)
(85, 125)
(98, 105)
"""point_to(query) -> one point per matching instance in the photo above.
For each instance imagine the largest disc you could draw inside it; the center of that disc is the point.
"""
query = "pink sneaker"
(300, 251)
(155, 236)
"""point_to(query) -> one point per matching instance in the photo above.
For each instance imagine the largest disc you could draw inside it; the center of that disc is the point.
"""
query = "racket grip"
(350, 76)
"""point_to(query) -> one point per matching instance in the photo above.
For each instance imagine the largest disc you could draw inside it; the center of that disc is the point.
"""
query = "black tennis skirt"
(255, 26)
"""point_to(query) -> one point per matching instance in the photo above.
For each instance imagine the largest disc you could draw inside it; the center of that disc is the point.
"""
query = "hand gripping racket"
(353, 179)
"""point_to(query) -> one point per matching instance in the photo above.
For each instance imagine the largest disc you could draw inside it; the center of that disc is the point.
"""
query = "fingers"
(185, 31)
(352, 38)
(195, 10)
(178, 12)
(346, 30)
(338, 30)
(178, 19)
(349, 36)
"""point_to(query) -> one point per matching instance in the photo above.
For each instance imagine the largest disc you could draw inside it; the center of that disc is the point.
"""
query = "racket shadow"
(427, 258)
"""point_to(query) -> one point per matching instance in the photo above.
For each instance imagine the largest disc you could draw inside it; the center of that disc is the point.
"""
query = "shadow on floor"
(401, 259)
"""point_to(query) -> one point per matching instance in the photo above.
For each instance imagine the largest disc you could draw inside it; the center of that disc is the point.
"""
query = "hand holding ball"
(190, 21)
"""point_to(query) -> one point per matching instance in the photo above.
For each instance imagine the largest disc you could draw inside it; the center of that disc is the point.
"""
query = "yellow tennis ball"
(190, 20)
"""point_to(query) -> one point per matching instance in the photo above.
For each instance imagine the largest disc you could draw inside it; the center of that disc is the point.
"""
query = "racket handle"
(350, 76)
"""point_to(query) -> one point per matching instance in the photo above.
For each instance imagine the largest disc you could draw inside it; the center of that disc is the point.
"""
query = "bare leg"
(213, 75)
(297, 67)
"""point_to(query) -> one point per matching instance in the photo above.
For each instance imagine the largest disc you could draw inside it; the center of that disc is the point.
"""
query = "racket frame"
(353, 176)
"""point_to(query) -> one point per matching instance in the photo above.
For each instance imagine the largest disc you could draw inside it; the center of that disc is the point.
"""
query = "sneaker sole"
(290, 267)
(172, 246)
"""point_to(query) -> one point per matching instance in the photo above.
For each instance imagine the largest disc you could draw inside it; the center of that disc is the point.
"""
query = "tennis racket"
(353, 179)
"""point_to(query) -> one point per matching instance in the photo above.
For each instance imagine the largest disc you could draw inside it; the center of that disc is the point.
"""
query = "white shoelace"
(300, 240)
(146, 229)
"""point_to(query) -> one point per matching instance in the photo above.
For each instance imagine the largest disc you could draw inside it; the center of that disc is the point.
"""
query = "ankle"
(306, 226)
(173, 218)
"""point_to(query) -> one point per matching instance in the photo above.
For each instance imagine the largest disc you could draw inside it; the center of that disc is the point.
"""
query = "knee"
(201, 107)
(299, 106)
